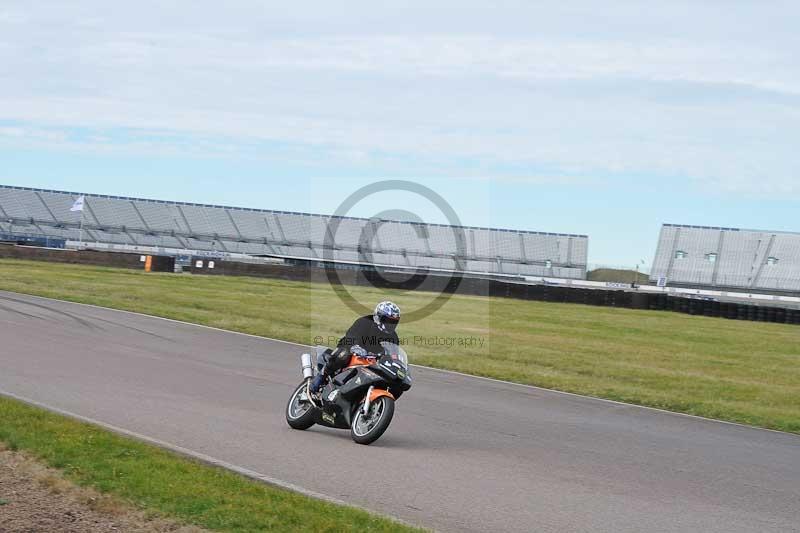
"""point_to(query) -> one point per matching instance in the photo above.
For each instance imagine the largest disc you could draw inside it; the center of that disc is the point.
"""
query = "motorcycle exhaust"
(308, 369)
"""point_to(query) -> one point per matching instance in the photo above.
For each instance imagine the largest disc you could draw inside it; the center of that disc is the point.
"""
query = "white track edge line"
(455, 372)
(203, 458)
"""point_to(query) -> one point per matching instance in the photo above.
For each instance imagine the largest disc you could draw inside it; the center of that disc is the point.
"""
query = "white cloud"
(680, 90)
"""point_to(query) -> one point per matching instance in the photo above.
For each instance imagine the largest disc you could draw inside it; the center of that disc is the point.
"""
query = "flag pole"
(78, 206)
(80, 232)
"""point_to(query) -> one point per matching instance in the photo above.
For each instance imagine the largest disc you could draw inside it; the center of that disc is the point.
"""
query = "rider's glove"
(359, 351)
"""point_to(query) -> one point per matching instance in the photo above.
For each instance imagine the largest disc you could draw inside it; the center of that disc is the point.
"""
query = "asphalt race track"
(463, 454)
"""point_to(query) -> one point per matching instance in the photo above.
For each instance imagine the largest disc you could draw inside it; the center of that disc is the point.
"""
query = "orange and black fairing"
(356, 360)
(377, 393)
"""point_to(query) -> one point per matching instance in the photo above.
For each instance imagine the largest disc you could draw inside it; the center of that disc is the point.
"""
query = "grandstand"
(191, 228)
(728, 258)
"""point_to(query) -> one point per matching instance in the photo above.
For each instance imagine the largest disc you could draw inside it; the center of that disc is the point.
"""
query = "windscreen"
(396, 353)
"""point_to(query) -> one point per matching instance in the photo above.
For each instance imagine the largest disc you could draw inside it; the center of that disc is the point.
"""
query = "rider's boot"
(318, 382)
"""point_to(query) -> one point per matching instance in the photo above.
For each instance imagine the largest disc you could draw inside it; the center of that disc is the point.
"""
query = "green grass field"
(161, 482)
(746, 372)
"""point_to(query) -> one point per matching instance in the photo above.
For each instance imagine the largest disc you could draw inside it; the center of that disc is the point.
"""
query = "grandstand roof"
(716, 256)
(722, 228)
(120, 220)
(252, 209)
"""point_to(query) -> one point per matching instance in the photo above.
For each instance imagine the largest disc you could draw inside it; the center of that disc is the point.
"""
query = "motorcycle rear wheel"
(366, 429)
(300, 415)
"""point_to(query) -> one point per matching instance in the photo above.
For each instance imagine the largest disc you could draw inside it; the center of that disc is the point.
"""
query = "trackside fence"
(89, 257)
(614, 297)
(617, 297)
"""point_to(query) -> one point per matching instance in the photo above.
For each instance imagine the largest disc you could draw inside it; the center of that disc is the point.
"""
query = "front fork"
(367, 402)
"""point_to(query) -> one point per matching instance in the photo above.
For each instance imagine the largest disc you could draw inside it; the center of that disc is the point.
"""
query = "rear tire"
(366, 430)
(300, 415)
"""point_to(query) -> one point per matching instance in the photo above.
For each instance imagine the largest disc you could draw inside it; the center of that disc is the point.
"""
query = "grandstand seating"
(195, 227)
(728, 258)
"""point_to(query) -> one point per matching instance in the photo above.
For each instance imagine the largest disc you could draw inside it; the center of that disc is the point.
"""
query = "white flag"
(78, 205)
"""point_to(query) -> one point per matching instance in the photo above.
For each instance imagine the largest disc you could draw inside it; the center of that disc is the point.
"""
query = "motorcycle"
(360, 398)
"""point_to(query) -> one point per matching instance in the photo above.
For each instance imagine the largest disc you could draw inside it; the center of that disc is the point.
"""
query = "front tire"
(300, 414)
(367, 429)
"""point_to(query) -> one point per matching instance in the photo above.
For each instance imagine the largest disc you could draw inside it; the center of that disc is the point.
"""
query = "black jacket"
(365, 333)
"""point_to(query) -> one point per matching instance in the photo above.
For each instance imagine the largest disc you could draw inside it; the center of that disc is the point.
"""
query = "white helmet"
(387, 316)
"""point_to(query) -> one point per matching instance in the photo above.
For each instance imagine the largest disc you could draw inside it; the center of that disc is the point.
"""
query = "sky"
(598, 118)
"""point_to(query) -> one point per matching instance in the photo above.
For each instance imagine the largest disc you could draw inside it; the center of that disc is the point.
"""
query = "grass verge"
(747, 372)
(159, 481)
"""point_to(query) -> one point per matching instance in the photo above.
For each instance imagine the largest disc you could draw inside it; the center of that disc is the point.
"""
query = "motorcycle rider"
(364, 337)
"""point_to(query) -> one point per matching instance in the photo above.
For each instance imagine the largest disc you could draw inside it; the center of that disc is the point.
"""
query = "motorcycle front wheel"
(300, 413)
(366, 429)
